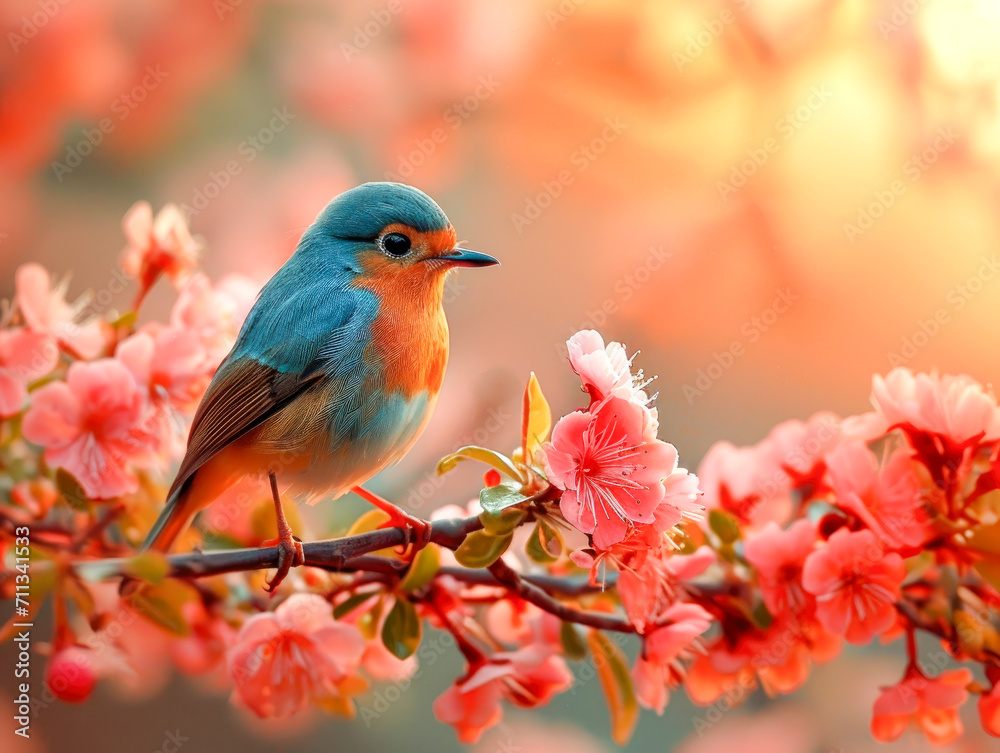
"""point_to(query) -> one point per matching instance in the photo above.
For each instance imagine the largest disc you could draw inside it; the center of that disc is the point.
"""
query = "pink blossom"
(96, 425)
(653, 672)
(528, 678)
(45, 311)
(157, 246)
(284, 660)
(203, 650)
(24, 357)
(604, 371)
(210, 314)
(932, 703)
(778, 556)
(957, 407)
(611, 473)
(856, 585)
(886, 500)
(170, 363)
(747, 482)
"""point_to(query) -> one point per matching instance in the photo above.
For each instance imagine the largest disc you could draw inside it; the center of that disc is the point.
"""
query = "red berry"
(491, 478)
(70, 675)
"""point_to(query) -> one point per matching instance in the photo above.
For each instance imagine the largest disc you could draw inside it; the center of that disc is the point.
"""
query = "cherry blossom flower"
(856, 584)
(45, 311)
(956, 407)
(604, 370)
(96, 426)
(932, 703)
(284, 660)
(527, 678)
(157, 246)
(989, 710)
(745, 482)
(611, 473)
(24, 357)
(887, 501)
(203, 650)
(654, 670)
(778, 556)
(209, 313)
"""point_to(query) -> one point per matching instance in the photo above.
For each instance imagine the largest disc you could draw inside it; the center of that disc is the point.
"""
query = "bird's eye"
(395, 244)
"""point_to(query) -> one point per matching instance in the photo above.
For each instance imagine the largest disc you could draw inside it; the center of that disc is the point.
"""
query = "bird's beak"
(464, 257)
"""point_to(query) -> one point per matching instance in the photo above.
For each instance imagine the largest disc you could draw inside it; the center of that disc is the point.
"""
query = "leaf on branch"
(572, 645)
(354, 601)
(149, 566)
(609, 661)
(497, 498)
(162, 604)
(503, 522)
(71, 490)
(492, 458)
(402, 630)
(480, 549)
(724, 526)
(424, 567)
(536, 420)
(544, 545)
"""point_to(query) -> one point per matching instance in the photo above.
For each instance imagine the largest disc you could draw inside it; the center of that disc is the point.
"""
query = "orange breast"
(410, 333)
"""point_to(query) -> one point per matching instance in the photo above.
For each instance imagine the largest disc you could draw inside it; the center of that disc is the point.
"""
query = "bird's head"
(391, 235)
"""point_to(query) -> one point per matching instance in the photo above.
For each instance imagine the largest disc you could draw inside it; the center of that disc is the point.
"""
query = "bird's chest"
(409, 348)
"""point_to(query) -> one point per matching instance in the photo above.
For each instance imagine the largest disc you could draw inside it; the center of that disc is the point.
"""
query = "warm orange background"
(770, 198)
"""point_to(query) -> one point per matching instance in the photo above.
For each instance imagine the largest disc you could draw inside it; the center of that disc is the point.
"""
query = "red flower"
(95, 425)
(779, 555)
(856, 585)
(527, 678)
(298, 654)
(24, 357)
(930, 702)
(610, 469)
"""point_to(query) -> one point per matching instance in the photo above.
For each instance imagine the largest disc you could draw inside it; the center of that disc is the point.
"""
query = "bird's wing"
(286, 345)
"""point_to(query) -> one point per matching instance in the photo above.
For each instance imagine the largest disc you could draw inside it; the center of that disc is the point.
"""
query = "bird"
(336, 369)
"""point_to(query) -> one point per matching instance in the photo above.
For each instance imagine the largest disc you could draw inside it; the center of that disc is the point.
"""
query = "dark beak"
(464, 257)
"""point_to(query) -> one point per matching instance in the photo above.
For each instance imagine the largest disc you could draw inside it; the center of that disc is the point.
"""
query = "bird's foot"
(417, 532)
(290, 554)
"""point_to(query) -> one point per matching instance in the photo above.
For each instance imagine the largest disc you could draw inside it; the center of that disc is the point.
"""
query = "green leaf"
(368, 622)
(402, 629)
(544, 545)
(150, 566)
(572, 645)
(480, 549)
(503, 522)
(71, 490)
(354, 601)
(724, 525)
(492, 458)
(423, 568)
(536, 420)
(612, 671)
(162, 604)
(496, 498)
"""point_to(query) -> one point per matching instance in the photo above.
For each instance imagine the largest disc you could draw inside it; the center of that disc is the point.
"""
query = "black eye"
(395, 244)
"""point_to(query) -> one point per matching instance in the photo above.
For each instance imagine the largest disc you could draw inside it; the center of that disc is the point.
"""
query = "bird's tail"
(173, 521)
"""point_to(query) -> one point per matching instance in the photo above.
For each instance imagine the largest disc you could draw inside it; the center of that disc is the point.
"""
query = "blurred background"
(772, 199)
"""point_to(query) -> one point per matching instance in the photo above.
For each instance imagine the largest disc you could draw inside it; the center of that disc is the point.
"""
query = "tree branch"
(341, 554)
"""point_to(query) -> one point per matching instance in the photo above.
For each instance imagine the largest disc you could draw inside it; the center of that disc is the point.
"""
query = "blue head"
(385, 228)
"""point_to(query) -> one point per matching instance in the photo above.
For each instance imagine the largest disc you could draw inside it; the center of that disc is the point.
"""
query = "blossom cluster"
(588, 542)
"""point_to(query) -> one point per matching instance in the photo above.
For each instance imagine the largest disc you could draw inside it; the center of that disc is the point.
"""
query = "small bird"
(337, 367)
